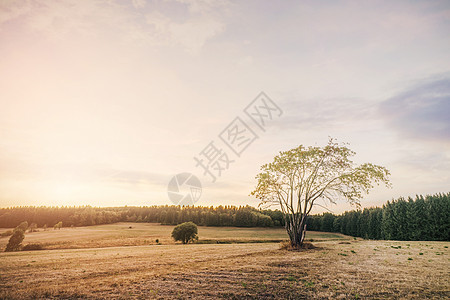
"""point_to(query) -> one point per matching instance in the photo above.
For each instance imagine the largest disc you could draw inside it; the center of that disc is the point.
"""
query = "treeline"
(424, 218)
(244, 216)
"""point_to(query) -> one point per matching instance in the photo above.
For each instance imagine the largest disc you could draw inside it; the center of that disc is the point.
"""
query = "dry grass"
(360, 269)
(141, 234)
(286, 245)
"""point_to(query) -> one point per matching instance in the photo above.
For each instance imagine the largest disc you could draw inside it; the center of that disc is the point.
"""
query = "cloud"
(425, 161)
(12, 9)
(139, 3)
(64, 19)
(137, 20)
(191, 35)
(422, 111)
(201, 24)
(323, 113)
(203, 6)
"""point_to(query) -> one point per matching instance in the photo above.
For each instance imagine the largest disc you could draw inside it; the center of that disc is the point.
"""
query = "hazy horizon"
(103, 102)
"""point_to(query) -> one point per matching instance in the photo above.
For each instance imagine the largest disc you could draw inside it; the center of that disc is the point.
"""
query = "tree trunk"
(296, 231)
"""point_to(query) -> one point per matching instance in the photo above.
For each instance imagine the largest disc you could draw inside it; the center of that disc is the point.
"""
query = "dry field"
(141, 234)
(344, 268)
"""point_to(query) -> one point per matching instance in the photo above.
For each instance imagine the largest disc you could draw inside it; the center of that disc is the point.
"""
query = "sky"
(103, 102)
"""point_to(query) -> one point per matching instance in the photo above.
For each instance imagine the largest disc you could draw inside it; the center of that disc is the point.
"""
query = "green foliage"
(242, 216)
(309, 283)
(291, 278)
(299, 177)
(15, 241)
(422, 218)
(185, 232)
(327, 222)
(23, 226)
(58, 225)
(33, 227)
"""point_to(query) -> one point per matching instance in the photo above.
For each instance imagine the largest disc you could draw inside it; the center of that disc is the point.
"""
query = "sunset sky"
(103, 102)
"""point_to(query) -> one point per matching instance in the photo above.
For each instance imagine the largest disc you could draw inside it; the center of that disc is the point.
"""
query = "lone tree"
(15, 241)
(298, 178)
(58, 225)
(185, 232)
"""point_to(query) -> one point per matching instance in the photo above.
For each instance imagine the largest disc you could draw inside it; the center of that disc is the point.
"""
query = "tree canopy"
(185, 232)
(15, 241)
(298, 178)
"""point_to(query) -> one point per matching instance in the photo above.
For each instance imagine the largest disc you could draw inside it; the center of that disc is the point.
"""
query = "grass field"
(339, 268)
(140, 234)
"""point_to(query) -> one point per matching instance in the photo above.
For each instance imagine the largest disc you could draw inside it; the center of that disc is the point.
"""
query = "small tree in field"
(23, 226)
(298, 178)
(58, 225)
(33, 227)
(185, 232)
(15, 241)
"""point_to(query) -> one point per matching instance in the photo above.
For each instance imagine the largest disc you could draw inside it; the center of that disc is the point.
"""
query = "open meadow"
(340, 267)
(140, 234)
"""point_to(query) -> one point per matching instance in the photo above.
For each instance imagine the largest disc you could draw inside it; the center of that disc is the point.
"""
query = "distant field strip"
(140, 234)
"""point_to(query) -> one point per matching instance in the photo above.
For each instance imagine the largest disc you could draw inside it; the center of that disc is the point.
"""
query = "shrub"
(31, 247)
(15, 241)
(185, 232)
(23, 226)
(33, 227)
(58, 225)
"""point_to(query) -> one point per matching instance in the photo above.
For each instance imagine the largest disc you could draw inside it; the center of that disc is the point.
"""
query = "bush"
(15, 241)
(58, 226)
(23, 226)
(33, 227)
(185, 232)
(31, 247)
